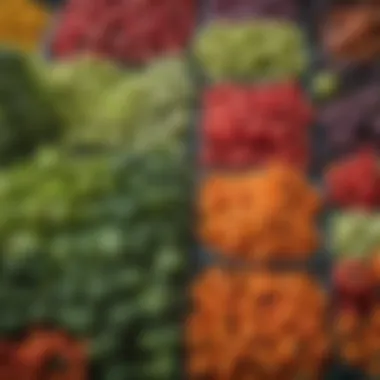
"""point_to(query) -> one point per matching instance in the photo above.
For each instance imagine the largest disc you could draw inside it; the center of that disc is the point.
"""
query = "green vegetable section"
(134, 108)
(109, 268)
(90, 102)
(93, 223)
(256, 50)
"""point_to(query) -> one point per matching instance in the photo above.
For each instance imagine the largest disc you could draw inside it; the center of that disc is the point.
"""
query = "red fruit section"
(354, 182)
(132, 31)
(251, 125)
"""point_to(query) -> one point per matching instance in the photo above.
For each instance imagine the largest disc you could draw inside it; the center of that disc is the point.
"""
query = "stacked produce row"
(262, 308)
(95, 191)
(94, 196)
(351, 121)
(259, 312)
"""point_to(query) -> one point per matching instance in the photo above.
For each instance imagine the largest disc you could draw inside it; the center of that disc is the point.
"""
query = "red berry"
(354, 181)
(257, 123)
(146, 28)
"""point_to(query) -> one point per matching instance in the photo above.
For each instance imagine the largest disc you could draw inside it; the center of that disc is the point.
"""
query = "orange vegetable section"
(257, 326)
(259, 215)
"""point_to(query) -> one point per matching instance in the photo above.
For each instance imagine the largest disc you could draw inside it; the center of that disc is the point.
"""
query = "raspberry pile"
(245, 126)
(131, 31)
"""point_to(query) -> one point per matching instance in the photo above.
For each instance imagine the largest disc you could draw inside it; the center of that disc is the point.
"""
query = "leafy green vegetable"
(111, 269)
(27, 115)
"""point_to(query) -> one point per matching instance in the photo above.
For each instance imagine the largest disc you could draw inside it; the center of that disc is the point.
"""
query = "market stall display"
(188, 190)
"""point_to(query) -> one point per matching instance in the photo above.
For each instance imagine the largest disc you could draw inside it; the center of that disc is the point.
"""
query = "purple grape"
(353, 120)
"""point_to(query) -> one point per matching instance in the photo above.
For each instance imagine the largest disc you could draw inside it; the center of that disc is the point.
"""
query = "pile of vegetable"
(94, 218)
(86, 269)
(247, 325)
(224, 50)
(253, 216)
(87, 102)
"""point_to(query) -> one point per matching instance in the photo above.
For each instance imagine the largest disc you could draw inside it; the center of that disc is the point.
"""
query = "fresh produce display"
(247, 325)
(354, 181)
(27, 115)
(109, 272)
(354, 234)
(95, 193)
(224, 50)
(287, 9)
(259, 215)
(22, 23)
(349, 32)
(127, 31)
(353, 120)
(245, 126)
